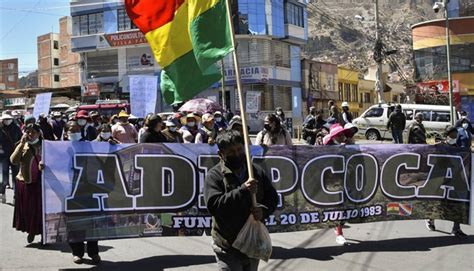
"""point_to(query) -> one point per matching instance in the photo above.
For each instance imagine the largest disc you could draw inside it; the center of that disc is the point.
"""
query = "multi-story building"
(9, 74)
(431, 75)
(48, 60)
(319, 81)
(269, 36)
(57, 65)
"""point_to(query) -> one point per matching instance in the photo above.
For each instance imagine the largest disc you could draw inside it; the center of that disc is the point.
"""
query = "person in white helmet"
(346, 115)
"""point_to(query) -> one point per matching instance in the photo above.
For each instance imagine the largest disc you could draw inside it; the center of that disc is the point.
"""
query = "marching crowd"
(21, 138)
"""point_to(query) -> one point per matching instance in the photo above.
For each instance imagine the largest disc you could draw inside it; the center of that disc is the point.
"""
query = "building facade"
(9, 74)
(269, 35)
(319, 81)
(429, 45)
(48, 60)
(57, 65)
(348, 89)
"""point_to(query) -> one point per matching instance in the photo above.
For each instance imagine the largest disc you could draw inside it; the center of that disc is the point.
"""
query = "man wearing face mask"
(11, 134)
(123, 131)
(464, 135)
(171, 132)
(465, 118)
(88, 131)
(219, 121)
(153, 133)
(228, 191)
(189, 128)
(416, 131)
(452, 141)
(73, 132)
(207, 133)
(58, 125)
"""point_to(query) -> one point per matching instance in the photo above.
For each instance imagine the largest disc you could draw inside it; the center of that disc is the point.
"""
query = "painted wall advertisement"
(98, 191)
(139, 59)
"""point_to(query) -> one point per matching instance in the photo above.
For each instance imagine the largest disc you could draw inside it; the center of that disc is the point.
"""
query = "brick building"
(57, 66)
(9, 74)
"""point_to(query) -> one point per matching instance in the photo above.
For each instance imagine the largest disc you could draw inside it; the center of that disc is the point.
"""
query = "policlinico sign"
(97, 191)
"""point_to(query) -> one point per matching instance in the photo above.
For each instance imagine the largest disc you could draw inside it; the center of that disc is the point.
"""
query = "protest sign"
(95, 191)
(143, 94)
(42, 104)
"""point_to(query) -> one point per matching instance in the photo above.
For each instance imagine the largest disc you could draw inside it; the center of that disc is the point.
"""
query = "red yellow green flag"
(187, 38)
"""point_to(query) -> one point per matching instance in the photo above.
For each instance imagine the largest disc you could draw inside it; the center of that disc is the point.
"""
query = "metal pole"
(241, 100)
(378, 77)
(448, 59)
(223, 85)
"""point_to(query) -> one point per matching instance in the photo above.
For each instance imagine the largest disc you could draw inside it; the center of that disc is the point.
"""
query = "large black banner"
(98, 191)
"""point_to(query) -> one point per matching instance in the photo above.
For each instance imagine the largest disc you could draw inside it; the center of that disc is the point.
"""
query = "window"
(340, 90)
(294, 15)
(56, 44)
(440, 116)
(56, 62)
(11, 78)
(374, 113)
(88, 24)
(56, 78)
(123, 21)
(355, 93)
(347, 92)
(11, 66)
(426, 114)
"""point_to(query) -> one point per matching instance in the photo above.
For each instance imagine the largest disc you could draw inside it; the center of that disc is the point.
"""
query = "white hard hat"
(345, 104)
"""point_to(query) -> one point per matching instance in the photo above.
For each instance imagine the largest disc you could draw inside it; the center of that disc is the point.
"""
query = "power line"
(19, 21)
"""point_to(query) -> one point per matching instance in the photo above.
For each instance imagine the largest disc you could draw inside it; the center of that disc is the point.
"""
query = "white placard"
(143, 94)
(253, 101)
(42, 104)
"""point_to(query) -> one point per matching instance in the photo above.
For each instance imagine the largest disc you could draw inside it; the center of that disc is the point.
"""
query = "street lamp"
(436, 7)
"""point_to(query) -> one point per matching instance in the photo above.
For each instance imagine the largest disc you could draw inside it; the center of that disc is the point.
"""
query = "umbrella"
(201, 105)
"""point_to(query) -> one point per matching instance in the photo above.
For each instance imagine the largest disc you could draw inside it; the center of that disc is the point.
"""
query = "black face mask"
(267, 127)
(235, 162)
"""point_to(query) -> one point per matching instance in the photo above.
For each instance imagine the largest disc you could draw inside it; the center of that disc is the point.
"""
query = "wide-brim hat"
(352, 129)
(57, 114)
(123, 114)
(207, 117)
(335, 131)
(184, 120)
(6, 116)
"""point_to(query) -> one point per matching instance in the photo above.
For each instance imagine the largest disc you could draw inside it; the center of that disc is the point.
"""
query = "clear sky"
(21, 22)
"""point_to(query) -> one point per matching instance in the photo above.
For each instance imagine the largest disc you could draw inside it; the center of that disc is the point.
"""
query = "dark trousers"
(78, 248)
(397, 136)
(233, 260)
(6, 165)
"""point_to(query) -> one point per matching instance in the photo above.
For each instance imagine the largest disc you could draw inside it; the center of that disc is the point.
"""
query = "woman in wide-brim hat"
(27, 215)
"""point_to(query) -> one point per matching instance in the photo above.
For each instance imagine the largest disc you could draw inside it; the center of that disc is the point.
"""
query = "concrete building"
(9, 74)
(269, 35)
(319, 81)
(429, 45)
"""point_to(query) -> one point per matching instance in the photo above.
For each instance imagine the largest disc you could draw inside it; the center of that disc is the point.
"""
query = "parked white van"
(373, 122)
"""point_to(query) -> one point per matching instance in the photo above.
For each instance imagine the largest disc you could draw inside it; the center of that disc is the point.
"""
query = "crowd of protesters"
(21, 138)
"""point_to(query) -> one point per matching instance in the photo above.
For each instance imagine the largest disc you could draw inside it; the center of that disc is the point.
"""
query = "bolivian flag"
(187, 38)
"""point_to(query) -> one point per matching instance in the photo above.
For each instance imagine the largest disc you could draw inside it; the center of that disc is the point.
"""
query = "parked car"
(373, 122)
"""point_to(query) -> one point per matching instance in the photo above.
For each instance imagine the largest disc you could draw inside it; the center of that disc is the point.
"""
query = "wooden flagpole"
(241, 100)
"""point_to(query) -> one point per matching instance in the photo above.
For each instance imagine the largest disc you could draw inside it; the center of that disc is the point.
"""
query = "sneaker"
(96, 259)
(340, 239)
(77, 260)
(429, 223)
(3, 198)
(459, 233)
(30, 238)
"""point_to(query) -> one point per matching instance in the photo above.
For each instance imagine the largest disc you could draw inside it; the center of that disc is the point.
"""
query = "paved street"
(375, 246)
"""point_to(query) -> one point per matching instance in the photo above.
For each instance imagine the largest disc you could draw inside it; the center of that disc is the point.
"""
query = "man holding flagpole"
(228, 191)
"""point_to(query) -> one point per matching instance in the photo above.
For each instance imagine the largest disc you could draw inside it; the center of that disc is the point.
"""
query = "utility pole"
(223, 85)
(448, 59)
(378, 57)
